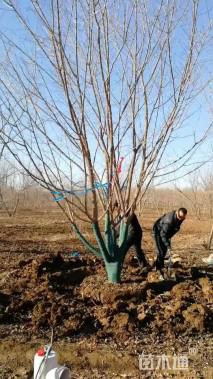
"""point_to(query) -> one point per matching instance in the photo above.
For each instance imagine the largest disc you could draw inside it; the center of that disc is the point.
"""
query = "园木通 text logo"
(163, 362)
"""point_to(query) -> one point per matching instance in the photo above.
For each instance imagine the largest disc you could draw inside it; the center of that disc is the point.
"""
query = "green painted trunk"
(111, 251)
(113, 270)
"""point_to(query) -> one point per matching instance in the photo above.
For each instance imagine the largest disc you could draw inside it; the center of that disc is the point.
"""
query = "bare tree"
(90, 83)
(207, 181)
(6, 172)
(15, 188)
(193, 193)
(207, 186)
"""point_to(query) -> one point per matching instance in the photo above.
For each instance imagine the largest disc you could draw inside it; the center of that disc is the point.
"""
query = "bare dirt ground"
(100, 329)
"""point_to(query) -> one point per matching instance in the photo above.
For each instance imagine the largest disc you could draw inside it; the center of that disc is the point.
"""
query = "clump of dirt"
(194, 316)
(207, 289)
(99, 291)
(181, 310)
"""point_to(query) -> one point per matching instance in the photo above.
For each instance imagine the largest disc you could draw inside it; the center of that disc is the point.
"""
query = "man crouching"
(163, 230)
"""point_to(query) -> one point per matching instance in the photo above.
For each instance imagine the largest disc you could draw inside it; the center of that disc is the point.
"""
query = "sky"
(196, 119)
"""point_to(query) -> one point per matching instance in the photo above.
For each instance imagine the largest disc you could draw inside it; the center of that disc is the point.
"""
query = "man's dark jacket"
(134, 228)
(167, 226)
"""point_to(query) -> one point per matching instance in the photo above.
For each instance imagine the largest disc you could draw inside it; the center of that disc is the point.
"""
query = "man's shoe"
(161, 277)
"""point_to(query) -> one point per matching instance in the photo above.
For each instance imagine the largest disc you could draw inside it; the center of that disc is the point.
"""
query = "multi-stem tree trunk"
(111, 247)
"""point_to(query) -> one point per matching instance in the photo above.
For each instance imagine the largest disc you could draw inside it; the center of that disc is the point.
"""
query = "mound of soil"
(66, 294)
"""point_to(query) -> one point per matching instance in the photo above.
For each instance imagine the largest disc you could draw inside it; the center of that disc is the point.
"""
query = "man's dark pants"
(161, 250)
(135, 240)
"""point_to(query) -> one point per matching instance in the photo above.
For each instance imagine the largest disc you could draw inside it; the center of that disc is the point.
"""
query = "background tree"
(85, 84)
(6, 175)
(207, 182)
(193, 193)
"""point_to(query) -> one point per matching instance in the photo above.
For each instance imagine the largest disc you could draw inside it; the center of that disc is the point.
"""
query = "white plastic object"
(41, 370)
(59, 372)
(208, 260)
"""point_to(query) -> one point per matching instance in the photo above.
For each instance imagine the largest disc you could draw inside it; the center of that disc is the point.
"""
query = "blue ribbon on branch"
(62, 194)
(97, 185)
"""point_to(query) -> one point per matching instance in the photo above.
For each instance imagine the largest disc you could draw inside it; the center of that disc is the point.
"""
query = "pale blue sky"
(197, 117)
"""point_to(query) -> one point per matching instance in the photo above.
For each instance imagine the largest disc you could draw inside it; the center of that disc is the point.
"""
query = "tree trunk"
(112, 253)
(113, 270)
(210, 238)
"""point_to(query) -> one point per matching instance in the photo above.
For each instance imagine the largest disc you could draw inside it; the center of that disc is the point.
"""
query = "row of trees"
(199, 194)
(19, 191)
(86, 83)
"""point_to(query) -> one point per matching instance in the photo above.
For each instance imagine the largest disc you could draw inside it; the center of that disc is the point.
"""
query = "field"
(100, 329)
